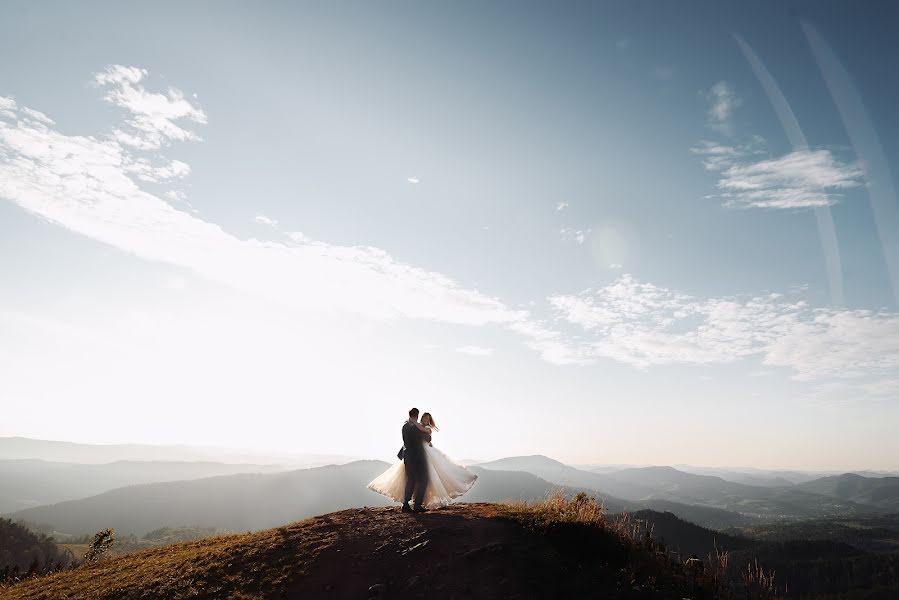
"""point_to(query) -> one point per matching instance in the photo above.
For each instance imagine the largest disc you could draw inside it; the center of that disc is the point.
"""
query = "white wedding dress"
(447, 479)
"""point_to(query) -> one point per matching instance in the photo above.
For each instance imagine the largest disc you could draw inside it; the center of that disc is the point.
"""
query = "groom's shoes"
(420, 509)
(406, 508)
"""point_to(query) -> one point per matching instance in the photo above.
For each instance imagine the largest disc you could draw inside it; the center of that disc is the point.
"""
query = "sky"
(618, 233)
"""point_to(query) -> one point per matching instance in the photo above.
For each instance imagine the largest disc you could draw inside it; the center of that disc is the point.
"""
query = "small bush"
(103, 541)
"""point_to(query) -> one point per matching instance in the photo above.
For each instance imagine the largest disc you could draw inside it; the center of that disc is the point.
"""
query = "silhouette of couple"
(424, 473)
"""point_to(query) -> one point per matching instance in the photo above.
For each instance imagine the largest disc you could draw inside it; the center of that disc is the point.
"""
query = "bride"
(447, 479)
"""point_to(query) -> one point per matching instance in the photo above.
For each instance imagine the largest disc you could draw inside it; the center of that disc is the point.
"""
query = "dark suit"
(416, 463)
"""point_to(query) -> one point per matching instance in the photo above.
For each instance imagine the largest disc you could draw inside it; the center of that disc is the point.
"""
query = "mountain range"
(31, 482)
(139, 496)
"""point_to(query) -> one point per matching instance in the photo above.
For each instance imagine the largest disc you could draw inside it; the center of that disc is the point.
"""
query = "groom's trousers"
(416, 479)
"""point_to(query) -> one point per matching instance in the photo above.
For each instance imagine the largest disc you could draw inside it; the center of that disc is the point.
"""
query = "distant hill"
(668, 480)
(637, 487)
(756, 478)
(882, 492)
(28, 483)
(561, 474)
(706, 516)
(688, 538)
(462, 551)
(248, 502)
(751, 476)
(875, 534)
(18, 448)
(242, 502)
(810, 557)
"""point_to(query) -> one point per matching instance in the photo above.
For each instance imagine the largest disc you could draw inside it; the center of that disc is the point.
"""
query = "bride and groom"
(424, 472)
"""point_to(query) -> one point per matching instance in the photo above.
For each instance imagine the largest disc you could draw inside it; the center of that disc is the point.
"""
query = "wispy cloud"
(155, 117)
(264, 220)
(561, 206)
(722, 102)
(798, 179)
(579, 236)
(475, 350)
(88, 184)
(643, 324)
(413, 180)
(552, 345)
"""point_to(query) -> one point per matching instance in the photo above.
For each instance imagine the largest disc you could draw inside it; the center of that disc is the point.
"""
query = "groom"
(416, 463)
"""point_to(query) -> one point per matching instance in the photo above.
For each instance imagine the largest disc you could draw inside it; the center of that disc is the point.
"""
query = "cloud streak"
(800, 179)
(642, 324)
(155, 117)
(88, 185)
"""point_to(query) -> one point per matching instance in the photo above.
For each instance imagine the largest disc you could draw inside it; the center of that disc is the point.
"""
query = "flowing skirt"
(447, 479)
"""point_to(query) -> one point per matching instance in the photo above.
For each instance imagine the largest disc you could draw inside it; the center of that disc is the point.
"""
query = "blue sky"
(626, 232)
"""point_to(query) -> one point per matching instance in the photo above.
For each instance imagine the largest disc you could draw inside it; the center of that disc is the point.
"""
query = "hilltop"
(461, 551)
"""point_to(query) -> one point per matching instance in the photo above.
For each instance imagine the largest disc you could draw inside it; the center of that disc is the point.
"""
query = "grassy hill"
(462, 551)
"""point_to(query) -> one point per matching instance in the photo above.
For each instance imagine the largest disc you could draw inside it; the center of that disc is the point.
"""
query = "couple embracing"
(424, 472)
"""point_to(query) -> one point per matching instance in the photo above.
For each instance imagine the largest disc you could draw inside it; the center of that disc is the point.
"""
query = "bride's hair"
(430, 421)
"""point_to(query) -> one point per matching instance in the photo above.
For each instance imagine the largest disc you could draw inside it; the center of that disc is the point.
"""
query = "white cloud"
(264, 220)
(153, 115)
(722, 102)
(552, 346)
(413, 180)
(616, 266)
(299, 237)
(475, 350)
(799, 179)
(88, 185)
(642, 324)
(147, 171)
(578, 236)
(561, 206)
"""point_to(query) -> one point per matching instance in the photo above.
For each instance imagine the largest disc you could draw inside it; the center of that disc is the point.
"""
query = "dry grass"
(645, 558)
(757, 582)
(235, 566)
(557, 508)
(561, 547)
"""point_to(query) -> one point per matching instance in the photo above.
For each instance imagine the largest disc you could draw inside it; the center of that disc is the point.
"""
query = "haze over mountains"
(31, 482)
(140, 496)
(71, 452)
